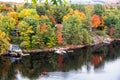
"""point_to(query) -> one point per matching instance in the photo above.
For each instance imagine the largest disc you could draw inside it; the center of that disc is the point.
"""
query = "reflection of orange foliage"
(43, 27)
(95, 21)
(60, 62)
(97, 59)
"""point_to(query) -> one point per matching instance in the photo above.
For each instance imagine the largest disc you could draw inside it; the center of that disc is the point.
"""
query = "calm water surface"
(90, 63)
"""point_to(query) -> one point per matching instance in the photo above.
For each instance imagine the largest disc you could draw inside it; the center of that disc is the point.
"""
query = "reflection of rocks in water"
(15, 59)
(44, 73)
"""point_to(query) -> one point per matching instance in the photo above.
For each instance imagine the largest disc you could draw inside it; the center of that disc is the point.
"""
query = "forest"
(43, 25)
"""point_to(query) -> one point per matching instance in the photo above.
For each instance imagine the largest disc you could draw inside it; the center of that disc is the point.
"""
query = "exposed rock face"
(101, 39)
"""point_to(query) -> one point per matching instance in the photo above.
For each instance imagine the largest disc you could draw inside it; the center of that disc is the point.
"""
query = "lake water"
(89, 63)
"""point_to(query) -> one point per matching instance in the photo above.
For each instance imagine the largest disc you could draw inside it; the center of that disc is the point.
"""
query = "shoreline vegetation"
(43, 27)
(70, 47)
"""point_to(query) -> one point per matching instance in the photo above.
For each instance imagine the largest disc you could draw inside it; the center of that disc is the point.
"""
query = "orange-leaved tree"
(95, 19)
(59, 34)
(102, 20)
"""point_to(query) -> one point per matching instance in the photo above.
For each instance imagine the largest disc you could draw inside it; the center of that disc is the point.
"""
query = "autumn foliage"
(14, 15)
(95, 19)
(52, 20)
(102, 20)
(4, 42)
(56, 24)
(8, 8)
(43, 27)
(97, 59)
(72, 12)
(59, 34)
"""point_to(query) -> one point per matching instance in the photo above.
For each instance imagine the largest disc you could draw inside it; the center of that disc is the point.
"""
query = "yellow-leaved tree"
(25, 32)
(14, 15)
(7, 24)
(72, 12)
(28, 12)
(4, 42)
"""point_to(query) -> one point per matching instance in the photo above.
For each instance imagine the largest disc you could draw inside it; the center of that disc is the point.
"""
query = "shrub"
(25, 44)
(86, 36)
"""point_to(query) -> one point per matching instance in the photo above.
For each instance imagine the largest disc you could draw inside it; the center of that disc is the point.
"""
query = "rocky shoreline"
(97, 41)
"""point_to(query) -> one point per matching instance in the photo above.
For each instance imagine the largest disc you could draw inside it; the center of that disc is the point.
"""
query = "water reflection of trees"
(11, 73)
(8, 70)
(113, 51)
(38, 64)
(4, 66)
(97, 59)
(74, 61)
